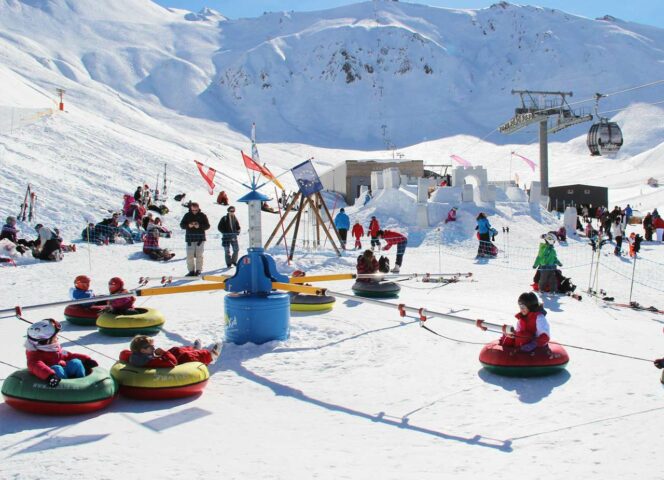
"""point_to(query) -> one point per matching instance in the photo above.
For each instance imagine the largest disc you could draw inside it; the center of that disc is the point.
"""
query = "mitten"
(53, 381)
(89, 364)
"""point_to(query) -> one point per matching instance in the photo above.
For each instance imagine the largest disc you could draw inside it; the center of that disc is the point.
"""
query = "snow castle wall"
(376, 181)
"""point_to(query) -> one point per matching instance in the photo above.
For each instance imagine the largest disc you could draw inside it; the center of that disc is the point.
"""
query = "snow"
(360, 391)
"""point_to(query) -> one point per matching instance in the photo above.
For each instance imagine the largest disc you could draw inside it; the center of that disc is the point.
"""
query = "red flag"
(528, 161)
(461, 161)
(251, 164)
(207, 176)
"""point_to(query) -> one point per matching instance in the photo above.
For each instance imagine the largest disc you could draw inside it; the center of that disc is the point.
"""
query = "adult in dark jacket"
(647, 227)
(229, 227)
(194, 223)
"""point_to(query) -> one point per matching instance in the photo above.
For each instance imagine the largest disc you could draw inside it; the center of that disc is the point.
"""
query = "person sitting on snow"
(366, 264)
(451, 215)
(394, 238)
(142, 353)
(120, 306)
(46, 358)
(222, 198)
(357, 232)
(532, 329)
(151, 246)
(546, 261)
(48, 245)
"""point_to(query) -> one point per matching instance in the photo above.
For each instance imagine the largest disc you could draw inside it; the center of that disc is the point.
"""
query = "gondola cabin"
(604, 138)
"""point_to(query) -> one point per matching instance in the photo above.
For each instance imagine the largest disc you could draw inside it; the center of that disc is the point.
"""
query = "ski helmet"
(82, 282)
(550, 238)
(529, 300)
(43, 331)
(115, 284)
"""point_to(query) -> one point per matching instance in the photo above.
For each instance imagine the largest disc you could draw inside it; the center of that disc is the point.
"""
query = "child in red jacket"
(532, 329)
(46, 358)
(120, 306)
(357, 232)
(142, 353)
(374, 228)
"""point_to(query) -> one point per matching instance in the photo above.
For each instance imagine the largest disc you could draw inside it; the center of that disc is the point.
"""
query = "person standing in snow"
(546, 261)
(372, 231)
(394, 238)
(194, 223)
(658, 226)
(617, 232)
(647, 227)
(358, 232)
(532, 329)
(627, 213)
(342, 224)
(229, 227)
(484, 228)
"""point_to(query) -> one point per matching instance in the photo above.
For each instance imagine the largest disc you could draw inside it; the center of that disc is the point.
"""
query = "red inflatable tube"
(54, 408)
(165, 393)
(79, 315)
(514, 363)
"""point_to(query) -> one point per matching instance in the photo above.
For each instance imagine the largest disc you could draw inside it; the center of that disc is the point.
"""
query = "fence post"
(631, 287)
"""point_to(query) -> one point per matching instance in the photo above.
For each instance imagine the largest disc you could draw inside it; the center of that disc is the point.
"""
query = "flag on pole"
(461, 161)
(251, 164)
(270, 176)
(528, 161)
(208, 176)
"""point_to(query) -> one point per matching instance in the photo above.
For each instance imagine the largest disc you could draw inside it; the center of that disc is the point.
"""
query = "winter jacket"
(616, 229)
(483, 226)
(658, 222)
(170, 358)
(229, 226)
(363, 268)
(546, 257)
(451, 216)
(392, 238)
(647, 221)
(374, 226)
(341, 221)
(78, 294)
(222, 198)
(628, 211)
(122, 304)
(529, 327)
(9, 232)
(194, 235)
(40, 361)
(150, 242)
(357, 231)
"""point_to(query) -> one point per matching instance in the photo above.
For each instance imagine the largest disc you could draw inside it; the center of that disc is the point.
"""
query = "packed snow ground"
(353, 393)
(359, 391)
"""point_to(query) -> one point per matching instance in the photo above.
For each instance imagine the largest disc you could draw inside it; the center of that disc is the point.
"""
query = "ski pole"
(631, 286)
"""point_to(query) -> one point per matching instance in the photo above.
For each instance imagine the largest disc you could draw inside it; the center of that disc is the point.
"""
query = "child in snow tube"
(142, 353)
(366, 264)
(46, 358)
(120, 306)
(532, 329)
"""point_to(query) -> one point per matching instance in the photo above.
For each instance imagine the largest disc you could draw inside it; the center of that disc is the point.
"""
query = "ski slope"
(357, 392)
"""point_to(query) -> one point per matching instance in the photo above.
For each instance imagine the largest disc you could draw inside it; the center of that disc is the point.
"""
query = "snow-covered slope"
(423, 72)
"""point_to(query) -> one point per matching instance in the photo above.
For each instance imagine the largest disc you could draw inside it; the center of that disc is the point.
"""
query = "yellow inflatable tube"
(148, 322)
(161, 383)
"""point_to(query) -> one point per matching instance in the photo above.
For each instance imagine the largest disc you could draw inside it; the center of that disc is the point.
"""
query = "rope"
(450, 338)
(10, 365)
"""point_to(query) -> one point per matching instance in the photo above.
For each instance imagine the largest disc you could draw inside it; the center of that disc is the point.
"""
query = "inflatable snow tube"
(85, 316)
(511, 362)
(376, 289)
(23, 391)
(147, 322)
(161, 383)
(662, 379)
(300, 302)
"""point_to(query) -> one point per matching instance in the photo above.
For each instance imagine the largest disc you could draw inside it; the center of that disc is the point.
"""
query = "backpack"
(384, 264)
(179, 197)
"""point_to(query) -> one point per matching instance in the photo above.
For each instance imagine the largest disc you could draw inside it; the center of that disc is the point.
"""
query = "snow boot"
(395, 269)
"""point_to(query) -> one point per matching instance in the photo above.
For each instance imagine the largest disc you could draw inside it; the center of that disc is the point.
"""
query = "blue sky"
(650, 12)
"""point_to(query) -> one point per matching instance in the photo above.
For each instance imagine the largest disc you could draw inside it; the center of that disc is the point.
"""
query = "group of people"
(390, 237)
(47, 246)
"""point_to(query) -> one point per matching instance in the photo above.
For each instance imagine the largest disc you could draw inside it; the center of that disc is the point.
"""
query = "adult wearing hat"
(229, 227)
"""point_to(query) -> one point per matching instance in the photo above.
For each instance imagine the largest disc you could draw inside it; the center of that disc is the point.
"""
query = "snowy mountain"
(422, 72)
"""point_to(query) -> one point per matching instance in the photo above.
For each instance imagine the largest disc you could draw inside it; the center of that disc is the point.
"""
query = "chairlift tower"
(552, 112)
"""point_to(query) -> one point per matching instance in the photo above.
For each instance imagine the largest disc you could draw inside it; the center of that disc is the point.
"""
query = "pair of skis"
(29, 206)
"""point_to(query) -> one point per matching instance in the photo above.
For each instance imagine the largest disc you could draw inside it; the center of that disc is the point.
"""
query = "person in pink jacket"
(120, 306)
(46, 358)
